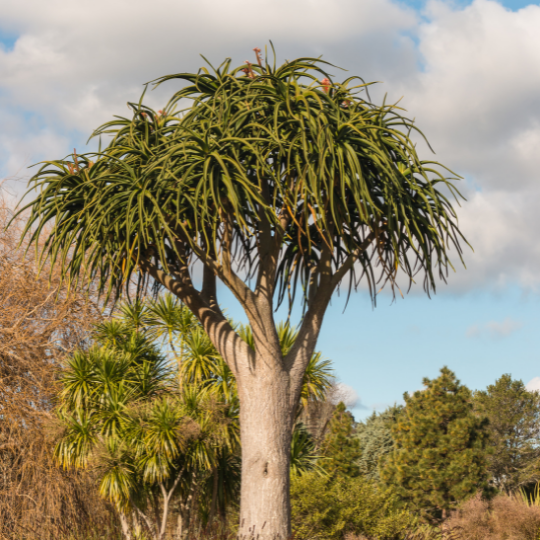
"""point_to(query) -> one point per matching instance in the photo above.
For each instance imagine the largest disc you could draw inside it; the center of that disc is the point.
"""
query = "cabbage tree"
(151, 441)
(280, 183)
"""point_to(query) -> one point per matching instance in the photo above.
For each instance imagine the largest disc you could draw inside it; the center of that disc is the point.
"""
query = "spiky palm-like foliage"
(306, 159)
(125, 415)
(304, 457)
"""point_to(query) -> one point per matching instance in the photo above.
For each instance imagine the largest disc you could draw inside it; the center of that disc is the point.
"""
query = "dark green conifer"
(514, 428)
(339, 445)
(440, 455)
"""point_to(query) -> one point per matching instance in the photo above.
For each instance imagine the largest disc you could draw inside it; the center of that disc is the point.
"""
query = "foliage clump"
(440, 455)
(284, 152)
(125, 415)
(334, 508)
(344, 501)
(376, 441)
(514, 430)
(40, 322)
(339, 445)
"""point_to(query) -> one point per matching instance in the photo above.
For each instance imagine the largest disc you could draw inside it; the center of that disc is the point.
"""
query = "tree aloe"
(280, 186)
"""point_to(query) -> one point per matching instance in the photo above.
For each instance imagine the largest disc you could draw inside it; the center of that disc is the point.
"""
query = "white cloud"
(477, 97)
(345, 393)
(494, 329)
(500, 227)
(76, 64)
(468, 75)
(533, 385)
(114, 47)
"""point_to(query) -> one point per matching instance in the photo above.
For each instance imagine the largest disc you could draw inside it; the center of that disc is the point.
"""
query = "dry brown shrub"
(504, 518)
(40, 322)
(514, 520)
(473, 520)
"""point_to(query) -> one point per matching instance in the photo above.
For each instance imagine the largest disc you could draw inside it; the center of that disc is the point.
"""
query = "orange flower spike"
(258, 55)
(249, 71)
(76, 160)
(326, 85)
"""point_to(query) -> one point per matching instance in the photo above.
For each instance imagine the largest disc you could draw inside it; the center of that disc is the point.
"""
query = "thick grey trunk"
(265, 422)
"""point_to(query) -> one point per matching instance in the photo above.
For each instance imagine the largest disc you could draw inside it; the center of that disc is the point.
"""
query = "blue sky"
(467, 71)
(479, 335)
(7, 41)
(510, 4)
(387, 350)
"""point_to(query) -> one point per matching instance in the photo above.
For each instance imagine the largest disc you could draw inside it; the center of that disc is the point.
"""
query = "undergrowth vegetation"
(125, 426)
(40, 323)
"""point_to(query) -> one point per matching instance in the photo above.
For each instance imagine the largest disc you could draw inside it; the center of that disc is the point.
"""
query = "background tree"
(514, 427)
(275, 183)
(125, 415)
(440, 455)
(376, 441)
(344, 501)
(339, 445)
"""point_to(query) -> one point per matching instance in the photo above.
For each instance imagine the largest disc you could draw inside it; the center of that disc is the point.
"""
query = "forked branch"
(298, 357)
(228, 343)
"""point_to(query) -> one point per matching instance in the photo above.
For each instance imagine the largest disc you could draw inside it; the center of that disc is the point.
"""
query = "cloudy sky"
(469, 72)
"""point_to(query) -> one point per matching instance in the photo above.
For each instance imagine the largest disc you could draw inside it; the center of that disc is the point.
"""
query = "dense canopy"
(241, 155)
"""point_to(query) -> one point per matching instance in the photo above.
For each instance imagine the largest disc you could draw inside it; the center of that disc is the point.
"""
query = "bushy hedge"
(326, 508)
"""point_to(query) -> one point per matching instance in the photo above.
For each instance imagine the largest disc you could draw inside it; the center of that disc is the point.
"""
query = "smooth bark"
(265, 420)
(126, 531)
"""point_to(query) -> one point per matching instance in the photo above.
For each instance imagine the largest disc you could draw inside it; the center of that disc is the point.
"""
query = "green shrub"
(440, 449)
(339, 445)
(328, 509)
(396, 525)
